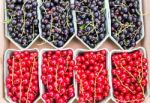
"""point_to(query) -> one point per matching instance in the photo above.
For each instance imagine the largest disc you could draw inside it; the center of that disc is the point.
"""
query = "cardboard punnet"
(5, 71)
(7, 33)
(42, 88)
(142, 31)
(106, 7)
(69, 40)
(77, 52)
(110, 66)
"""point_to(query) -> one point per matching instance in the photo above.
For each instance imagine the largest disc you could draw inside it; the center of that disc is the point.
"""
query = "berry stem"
(124, 85)
(128, 72)
(21, 80)
(51, 25)
(30, 79)
(136, 31)
(67, 17)
(13, 71)
(56, 76)
(24, 18)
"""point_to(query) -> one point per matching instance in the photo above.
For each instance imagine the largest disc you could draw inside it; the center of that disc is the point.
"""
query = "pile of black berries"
(126, 24)
(22, 22)
(57, 21)
(91, 21)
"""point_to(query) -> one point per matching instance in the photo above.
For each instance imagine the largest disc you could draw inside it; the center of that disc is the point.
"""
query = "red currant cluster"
(92, 76)
(22, 80)
(57, 76)
(129, 72)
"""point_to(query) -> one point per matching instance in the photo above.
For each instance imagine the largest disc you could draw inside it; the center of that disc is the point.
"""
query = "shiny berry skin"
(129, 80)
(92, 77)
(22, 80)
(57, 76)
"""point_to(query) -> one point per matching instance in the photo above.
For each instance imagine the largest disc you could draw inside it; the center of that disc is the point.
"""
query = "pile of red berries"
(57, 76)
(129, 76)
(92, 76)
(22, 79)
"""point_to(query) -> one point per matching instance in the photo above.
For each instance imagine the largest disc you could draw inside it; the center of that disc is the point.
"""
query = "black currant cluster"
(57, 21)
(22, 22)
(91, 21)
(126, 24)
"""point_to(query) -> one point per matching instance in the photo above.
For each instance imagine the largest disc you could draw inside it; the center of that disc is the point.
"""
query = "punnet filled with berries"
(91, 17)
(21, 22)
(92, 76)
(129, 76)
(21, 76)
(57, 76)
(57, 25)
(127, 27)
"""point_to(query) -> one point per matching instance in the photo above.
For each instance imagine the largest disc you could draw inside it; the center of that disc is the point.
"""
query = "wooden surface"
(5, 44)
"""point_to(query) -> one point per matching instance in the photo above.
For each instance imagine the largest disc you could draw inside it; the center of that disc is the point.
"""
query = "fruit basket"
(144, 85)
(84, 87)
(59, 77)
(59, 28)
(12, 77)
(121, 26)
(102, 32)
(18, 27)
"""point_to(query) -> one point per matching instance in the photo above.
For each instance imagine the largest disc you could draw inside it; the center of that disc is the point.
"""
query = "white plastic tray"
(110, 66)
(6, 56)
(106, 6)
(77, 52)
(142, 31)
(42, 88)
(69, 40)
(7, 33)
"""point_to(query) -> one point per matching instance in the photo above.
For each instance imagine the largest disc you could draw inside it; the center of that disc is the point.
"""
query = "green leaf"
(7, 21)
(82, 26)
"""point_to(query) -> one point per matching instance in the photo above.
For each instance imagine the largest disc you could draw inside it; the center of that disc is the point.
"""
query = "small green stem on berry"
(67, 21)
(24, 18)
(51, 24)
